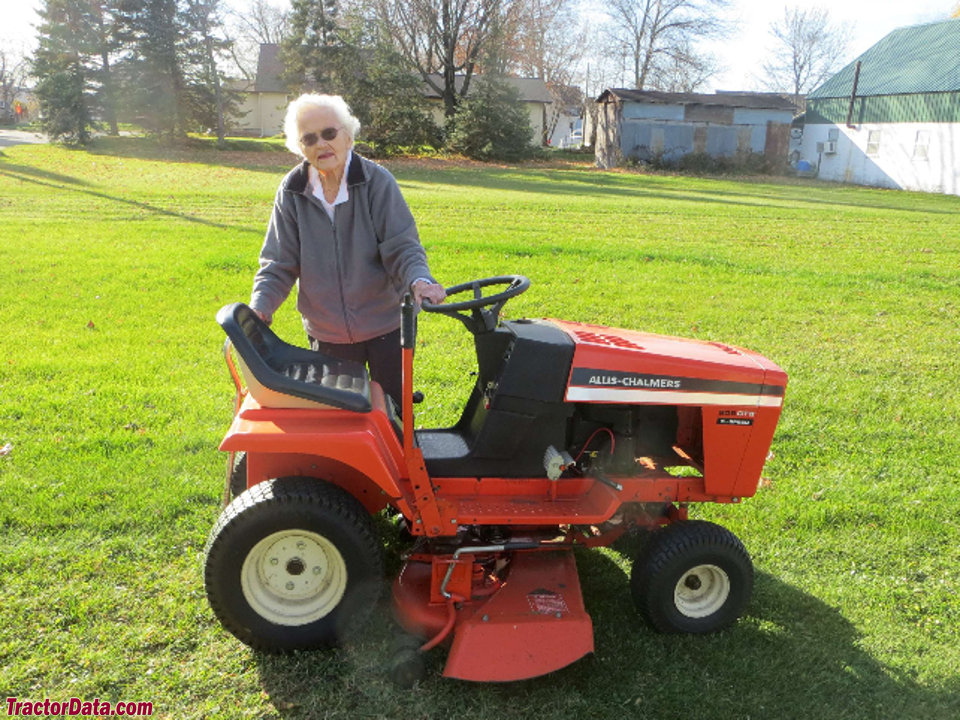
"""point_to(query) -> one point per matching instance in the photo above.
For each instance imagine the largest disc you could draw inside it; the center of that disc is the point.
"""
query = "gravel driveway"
(10, 137)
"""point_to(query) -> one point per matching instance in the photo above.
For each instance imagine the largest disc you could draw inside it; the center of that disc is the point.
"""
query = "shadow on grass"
(247, 154)
(764, 192)
(792, 656)
(25, 173)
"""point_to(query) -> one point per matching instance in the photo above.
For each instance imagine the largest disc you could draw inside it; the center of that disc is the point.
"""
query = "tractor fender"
(357, 451)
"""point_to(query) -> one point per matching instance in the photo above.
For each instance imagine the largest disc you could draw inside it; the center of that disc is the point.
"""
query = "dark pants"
(381, 355)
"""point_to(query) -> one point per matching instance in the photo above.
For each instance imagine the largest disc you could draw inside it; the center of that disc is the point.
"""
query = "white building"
(892, 117)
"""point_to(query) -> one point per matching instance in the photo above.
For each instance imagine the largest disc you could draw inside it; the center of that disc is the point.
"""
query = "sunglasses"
(328, 134)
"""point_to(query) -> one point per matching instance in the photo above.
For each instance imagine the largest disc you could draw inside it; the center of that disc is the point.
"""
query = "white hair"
(291, 127)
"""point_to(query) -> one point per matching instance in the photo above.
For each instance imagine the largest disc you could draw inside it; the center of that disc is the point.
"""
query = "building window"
(921, 149)
(873, 143)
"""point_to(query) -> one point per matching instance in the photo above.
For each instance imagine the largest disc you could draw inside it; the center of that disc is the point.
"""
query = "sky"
(867, 21)
(742, 53)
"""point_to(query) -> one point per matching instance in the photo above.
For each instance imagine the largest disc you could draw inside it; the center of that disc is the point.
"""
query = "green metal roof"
(917, 59)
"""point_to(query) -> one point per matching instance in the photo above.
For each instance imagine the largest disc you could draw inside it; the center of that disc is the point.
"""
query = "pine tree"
(345, 55)
(382, 90)
(66, 74)
(102, 21)
(210, 103)
(309, 51)
(154, 92)
(492, 124)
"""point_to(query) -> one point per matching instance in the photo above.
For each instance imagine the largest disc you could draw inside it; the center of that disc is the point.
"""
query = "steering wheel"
(484, 312)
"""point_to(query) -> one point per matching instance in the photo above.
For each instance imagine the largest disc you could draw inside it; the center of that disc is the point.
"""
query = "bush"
(492, 124)
(699, 163)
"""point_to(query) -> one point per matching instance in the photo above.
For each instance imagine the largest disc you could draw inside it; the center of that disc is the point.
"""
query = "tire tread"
(292, 493)
(670, 545)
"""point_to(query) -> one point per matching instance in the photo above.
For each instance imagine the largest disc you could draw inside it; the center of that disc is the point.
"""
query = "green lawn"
(113, 398)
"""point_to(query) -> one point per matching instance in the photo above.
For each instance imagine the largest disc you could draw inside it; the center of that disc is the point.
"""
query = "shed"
(891, 118)
(649, 125)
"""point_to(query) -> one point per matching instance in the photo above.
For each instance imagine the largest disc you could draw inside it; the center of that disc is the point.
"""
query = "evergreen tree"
(391, 98)
(345, 55)
(383, 92)
(492, 124)
(66, 74)
(210, 103)
(105, 42)
(309, 49)
(154, 93)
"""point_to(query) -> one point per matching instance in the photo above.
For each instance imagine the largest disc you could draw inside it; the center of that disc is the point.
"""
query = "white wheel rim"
(293, 577)
(701, 591)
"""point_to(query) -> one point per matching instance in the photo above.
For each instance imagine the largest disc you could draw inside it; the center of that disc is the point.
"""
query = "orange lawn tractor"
(573, 435)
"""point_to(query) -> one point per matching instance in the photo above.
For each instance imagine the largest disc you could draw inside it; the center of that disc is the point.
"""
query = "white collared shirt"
(316, 187)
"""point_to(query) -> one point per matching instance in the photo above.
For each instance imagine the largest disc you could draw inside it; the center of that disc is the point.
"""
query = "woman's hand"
(425, 290)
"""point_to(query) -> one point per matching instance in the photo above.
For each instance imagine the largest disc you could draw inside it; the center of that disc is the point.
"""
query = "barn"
(891, 118)
(647, 125)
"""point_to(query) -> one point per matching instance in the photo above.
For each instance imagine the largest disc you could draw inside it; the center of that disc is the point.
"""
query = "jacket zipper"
(336, 251)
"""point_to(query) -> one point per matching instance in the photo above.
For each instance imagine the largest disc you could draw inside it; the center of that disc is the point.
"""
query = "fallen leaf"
(90, 325)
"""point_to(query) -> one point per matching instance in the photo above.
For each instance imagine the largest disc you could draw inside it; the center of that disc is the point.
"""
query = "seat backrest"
(278, 374)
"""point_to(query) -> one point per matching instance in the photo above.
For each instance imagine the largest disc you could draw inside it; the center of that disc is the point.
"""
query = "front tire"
(293, 563)
(692, 577)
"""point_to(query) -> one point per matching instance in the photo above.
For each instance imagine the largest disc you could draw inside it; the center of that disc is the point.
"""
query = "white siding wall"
(896, 162)
(264, 113)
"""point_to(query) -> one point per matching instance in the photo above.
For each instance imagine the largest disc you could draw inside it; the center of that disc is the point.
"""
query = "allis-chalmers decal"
(651, 382)
(587, 384)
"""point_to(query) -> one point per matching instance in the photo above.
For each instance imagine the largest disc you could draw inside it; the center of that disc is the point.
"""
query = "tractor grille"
(608, 340)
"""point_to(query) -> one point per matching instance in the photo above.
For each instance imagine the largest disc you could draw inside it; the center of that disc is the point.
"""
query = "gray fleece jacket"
(352, 272)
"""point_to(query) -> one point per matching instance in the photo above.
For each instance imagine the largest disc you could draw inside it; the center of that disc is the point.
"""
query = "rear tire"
(238, 475)
(692, 577)
(293, 563)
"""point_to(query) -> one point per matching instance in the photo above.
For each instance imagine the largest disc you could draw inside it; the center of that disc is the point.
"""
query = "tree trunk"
(110, 106)
(215, 77)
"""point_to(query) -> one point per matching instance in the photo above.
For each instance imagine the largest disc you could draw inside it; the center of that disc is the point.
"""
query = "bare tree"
(14, 69)
(257, 24)
(684, 70)
(657, 37)
(546, 40)
(262, 22)
(443, 37)
(808, 48)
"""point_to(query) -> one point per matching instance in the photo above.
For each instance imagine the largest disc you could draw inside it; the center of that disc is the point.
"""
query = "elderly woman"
(342, 229)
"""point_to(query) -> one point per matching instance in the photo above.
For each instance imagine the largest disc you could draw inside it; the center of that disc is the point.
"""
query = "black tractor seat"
(278, 374)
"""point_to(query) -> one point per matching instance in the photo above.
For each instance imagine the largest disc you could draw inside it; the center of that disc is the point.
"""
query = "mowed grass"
(113, 398)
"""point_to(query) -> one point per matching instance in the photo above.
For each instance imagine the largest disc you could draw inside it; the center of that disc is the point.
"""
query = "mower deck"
(532, 624)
